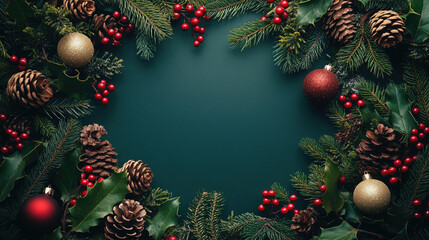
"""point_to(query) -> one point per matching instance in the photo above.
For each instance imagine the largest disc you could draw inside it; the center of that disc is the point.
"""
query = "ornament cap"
(49, 191)
(328, 67)
(366, 176)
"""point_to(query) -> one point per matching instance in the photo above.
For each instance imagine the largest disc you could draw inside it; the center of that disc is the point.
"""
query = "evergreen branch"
(377, 60)
(63, 108)
(153, 199)
(313, 149)
(104, 66)
(375, 95)
(227, 9)
(281, 193)
(416, 78)
(145, 47)
(309, 186)
(337, 115)
(332, 146)
(251, 34)
(44, 126)
(353, 54)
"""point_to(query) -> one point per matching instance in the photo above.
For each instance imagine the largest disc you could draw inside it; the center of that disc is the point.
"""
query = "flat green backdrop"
(211, 118)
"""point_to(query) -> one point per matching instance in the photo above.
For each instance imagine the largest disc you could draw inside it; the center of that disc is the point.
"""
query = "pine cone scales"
(91, 134)
(29, 88)
(139, 176)
(378, 150)
(104, 22)
(339, 22)
(80, 9)
(387, 28)
(126, 222)
(306, 222)
(17, 123)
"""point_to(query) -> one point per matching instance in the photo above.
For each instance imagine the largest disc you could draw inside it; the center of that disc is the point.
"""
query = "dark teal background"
(211, 117)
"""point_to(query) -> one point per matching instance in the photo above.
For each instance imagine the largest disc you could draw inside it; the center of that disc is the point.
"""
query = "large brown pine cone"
(306, 222)
(80, 9)
(378, 150)
(126, 222)
(339, 21)
(99, 154)
(387, 28)
(29, 88)
(139, 176)
(104, 22)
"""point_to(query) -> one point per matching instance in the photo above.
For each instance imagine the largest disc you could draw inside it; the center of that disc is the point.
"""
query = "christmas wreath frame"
(381, 125)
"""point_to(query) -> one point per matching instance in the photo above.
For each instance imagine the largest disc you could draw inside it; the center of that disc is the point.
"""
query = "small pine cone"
(339, 21)
(126, 222)
(104, 22)
(306, 222)
(101, 158)
(387, 28)
(378, 150)
(29, 88)
(139, 176)
(17, 123)
(80, 9)
(91, 134)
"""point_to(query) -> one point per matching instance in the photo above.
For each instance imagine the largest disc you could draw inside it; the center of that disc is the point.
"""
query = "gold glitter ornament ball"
(371, 196)
(75, 50)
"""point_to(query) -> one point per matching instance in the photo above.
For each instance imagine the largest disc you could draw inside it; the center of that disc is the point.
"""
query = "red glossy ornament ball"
(408, 161)
(202, 9)
(88, 168)
(392, 170)
(320, 85)
(317, 202)
(189, 8)
(13, 58)
(198, 14)
(404, 169)
(105, 40)
(385, 173)
(19, 146)
(277, 20)
(98, 96)
(200, 39)
(202, 30)
(263, 18)
(118, 36)
(285, 15)
(124, 19)
(196, 29)
(84, 192)
(275, 202)
(419, 146)
(265, 193)
(348, 105)
(421, 127)
(196, 43)
(111, 31)
(415, 111)
(360, 103)
(261, 208)
(342, 179)
(280, 11)
(104, 101)
(342, 98)
(284, 3)
(413, 139)
(417, 203)
(414, 131)
(111, 87)
(266, 201)
(23, 61)
(185, 26)
(290, 206)
(72, 203)
(393, 180)
(195, 21)
(271, 193)
(293, 198)
(177, 8)
(176, 15)
(323, 188)
(354, 97)
(116, 14)
(284, 210)
(21, 67)
(40, 214)
(397, 163)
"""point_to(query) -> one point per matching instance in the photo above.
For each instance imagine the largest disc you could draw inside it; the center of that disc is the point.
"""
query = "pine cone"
(17, 123)
(306, 222)
(104, 22)
(339, 22)
(80, 9)
(139, 176)
(99, 154)
(29, 88)
(378, 150)
(126, 222)
(387, 28)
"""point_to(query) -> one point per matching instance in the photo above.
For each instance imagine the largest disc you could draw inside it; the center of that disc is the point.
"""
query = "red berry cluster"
(15, 139)
(417, 204)
(86, 182)
(116, 35)
(22, 62)
(280, 10)
(166, 237)
(102, 91)
(269, 199)
(348, 101)
(418, 135)
(199, 12)
(398, 167)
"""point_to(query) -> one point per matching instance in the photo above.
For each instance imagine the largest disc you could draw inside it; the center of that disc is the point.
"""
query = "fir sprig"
(63, 108)
(146, 48)
(374, 94)
(417, 81)
(104, 66)
(227, 9)
(44, 126)
(281, 193)
(309, 185)
(153, 199)
(251, 34)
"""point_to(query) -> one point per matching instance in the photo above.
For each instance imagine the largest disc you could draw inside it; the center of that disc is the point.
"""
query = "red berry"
(275, 202)
(105, 92)
(392, 170)
(91, 177)
(342, 98)
(408, 161)
(265, 193)
(417, 215)
(414, 131)
(397, 163)
(177, 8)
(111, 31)
(101, 86)
(111, 87)
(271, 193)
(342, 179)
(277, 20)
(118, 36)
(172, 238)
(296, 211)
(385, 173)
(21, 67)
(270, 1)
(23, 61)
(198, 14)
(82, 176)
(404, 169)
(263, 18)
(317, 202)
(124, 19)
(285, 15)
(323, 188)
(88, 168)
(427, 213)
(202, 9)
(293, 198)
(90, 184)
(83, 194)
(98, 96)
(419, 146)
(196, 43)
(261, 208)
(348, 105)
(421, 135)
(127, 30)
(84, 182)
(207, 18)
(185, 26)
(413, 139)
(13, 58)
(100, 179)
(393, 180)
(354, 97)
(202, 30)
(72, 203)
(130, 26)
(189, 8)
(200, 38)
(18, 139)
(415, 111)
(290, 206)
(421, 126)
(19, 146)
(116, 14)
(266, 201)
(280, 11)
(284, 210)
(4, 150)
(415, 158)
(14, 134)
(195, 21)
(10, 148)
(360, 103)
(196, 29)
(426, 130)
(104, 101)
(9, 131)
(2, 117)
(284, 3)
(417, 203)
(105, 40)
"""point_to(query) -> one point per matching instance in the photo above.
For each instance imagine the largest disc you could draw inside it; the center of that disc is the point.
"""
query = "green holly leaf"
(418, 20)
(349, 210)
(364, 2)
(400, 115)
(98, 202)
(20, 10)
(332, 200)
(66, 178)
(311, 10)
(344, 231)
(166, 217)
